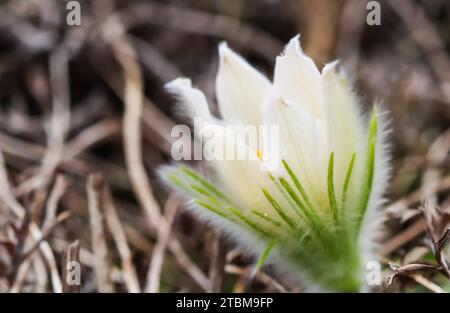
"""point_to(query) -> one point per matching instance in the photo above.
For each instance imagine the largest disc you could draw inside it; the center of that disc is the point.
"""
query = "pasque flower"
(311, 212)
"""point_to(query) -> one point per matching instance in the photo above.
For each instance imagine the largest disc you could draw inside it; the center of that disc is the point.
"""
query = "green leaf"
(197, 177)
(207, 193)
(370, 164)
(278, 209)
(331, 193)
(298, 185)
(310, 216)
(285, 195)
(266, 217)
(254, 226)
(347, 181)
(212, 208)
(265, 254)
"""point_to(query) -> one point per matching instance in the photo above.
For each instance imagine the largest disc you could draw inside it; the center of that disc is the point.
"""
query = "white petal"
(241, 177)
(303, 144)
(297, 78)
(344, 125)
(240, 88)
(192, 100)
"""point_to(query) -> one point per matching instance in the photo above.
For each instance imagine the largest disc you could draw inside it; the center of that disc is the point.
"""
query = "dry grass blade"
(6, 194)
(76, 100)
(40, 272)
(261, 276)
(427, 37)
(47, 252)
(35, 235)
(198, 22)
(102, 267)
(90, 136)
(154, 272)
(184, 261)
(217, 261)
(59, 123)
(71, 268)
(21, 148)
(45, 233)
(128, 270)
(427, 283)
(133, 98)
(404, 237)
(37, 240)
(153, 118)
(57, 192)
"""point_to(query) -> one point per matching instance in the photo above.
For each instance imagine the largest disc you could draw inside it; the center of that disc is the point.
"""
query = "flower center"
(260, 154)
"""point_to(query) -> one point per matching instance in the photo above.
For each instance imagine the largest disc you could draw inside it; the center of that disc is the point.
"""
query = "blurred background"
(79, 154)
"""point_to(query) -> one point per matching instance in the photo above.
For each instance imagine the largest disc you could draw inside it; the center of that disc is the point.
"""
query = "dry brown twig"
(155, 121)
(59, 122)
(35, 235)
(154, 60)
(74, 152)
(438, 229)
(427, 38)
(412, 271)
(90, 136)
(45, 233)
(198, 22)
(133, 100)
(56, 193)
(436, 221)
(439, 234)
(432, 185)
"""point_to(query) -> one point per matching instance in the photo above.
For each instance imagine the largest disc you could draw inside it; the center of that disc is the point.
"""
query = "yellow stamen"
(260, 154)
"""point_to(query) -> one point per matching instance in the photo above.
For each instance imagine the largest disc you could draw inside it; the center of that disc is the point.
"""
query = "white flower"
(312, 208)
